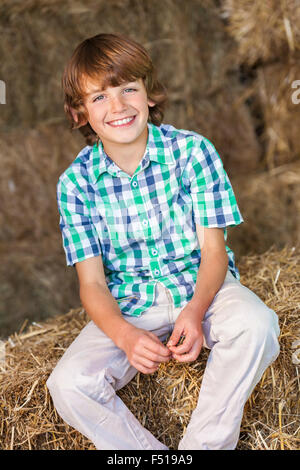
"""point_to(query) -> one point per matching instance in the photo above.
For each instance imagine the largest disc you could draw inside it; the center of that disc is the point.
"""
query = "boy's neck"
(127, 155)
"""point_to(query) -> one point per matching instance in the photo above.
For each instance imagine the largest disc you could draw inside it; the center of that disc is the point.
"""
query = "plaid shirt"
(143, 225)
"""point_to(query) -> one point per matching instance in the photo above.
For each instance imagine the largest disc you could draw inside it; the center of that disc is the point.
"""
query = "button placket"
(143, 221)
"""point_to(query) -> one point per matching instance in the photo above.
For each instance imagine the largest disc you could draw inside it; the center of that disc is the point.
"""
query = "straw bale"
(38, 37)
(31, 162)
(267, 39)
(280, 115)
(225, 119)
(35, 282)
(263, 30)
(162, 401)
(270, 204)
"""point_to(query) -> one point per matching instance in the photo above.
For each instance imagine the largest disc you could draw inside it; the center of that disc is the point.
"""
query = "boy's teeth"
(122, 121)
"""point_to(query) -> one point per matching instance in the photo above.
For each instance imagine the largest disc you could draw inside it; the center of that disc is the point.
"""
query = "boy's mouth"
(122, 122)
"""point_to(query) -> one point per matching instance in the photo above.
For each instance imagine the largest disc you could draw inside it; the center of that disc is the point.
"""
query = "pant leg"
(242, 334)
(84, 382)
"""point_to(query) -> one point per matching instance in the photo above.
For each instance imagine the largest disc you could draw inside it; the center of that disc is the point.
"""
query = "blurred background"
(230, 67)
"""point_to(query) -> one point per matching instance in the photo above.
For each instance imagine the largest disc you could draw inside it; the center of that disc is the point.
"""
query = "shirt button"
(145, 222)
(156, 272)
(154, 251)
(134, 184)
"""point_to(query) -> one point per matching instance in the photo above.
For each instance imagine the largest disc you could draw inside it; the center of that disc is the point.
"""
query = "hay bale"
(264, 31)
(225, 119)
(273, 100)
(35, 282)
(280, 115)
(270, 204)
(267, 39)
(162, 401)
(32, 161)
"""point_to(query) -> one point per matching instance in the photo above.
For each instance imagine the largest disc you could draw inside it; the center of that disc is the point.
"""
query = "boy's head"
(106, 61)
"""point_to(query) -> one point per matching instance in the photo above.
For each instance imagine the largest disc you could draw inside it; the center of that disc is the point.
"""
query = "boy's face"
(119, 114)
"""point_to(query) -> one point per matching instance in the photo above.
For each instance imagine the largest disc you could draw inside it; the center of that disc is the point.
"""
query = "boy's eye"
(98, 98)
(101, 97)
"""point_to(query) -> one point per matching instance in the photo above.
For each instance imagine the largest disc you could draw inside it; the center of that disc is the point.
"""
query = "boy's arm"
(97, 300)
(211, 275)
(213, 267)
(143, 348)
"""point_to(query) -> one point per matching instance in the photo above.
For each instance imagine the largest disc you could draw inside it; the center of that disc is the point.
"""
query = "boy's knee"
(69, 379)
(264, 322)
(262, 330)
(62, 378)
(256, 322)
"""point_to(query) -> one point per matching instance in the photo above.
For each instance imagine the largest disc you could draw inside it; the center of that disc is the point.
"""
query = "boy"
(143, 215)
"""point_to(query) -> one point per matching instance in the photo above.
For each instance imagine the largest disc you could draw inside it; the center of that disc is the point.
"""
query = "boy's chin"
(125, 137)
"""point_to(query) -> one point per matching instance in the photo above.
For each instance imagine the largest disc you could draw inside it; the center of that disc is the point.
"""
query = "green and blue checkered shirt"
(143, 225)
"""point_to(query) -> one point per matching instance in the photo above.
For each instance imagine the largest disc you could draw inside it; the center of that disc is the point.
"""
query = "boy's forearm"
(104, 310)
(210, 277)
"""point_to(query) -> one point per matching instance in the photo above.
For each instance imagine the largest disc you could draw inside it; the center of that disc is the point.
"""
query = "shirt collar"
(157, 149)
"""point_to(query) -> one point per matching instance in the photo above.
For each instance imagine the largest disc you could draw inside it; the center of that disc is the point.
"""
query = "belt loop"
(169, 296)
(170, 310)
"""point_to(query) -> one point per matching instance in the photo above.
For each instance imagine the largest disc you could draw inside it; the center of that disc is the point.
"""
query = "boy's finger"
(145, 370)
(183, 346)
(148, 363)
(191, 355)
(175, 337)
(157, 348)
(162, 348)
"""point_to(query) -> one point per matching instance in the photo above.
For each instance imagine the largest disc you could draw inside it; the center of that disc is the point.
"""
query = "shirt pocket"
(121, 224)
(183, 220)
(173, 219)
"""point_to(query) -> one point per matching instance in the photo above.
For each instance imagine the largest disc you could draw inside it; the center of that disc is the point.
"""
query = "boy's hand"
(189, 326)
(144, 350)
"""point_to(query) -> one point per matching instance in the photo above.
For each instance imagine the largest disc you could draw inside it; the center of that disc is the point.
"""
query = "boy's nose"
(117, 105)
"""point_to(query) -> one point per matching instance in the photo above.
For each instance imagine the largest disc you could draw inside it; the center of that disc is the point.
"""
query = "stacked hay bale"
(34, 280)
(163, 401)
(270, 204)
(267, 36)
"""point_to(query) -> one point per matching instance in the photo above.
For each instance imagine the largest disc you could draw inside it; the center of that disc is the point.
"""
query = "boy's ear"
(151, 103)
(75, 113)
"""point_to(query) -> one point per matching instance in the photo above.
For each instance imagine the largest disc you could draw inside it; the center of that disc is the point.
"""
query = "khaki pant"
(241, 332)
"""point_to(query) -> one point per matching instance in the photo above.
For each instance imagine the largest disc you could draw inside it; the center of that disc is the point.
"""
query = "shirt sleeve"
(213, 199)
(80, 239)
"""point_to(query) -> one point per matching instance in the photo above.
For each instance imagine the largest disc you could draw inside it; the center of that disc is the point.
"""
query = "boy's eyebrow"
(93, 90)
(98, 90)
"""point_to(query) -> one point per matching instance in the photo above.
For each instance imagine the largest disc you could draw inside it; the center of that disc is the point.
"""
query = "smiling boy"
(143, 215)
(120, 116)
